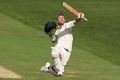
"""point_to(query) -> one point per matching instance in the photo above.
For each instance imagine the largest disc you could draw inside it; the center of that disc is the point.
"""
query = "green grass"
(24, 47)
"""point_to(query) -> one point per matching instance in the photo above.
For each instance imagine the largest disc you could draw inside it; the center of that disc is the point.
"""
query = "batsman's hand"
(81, 15)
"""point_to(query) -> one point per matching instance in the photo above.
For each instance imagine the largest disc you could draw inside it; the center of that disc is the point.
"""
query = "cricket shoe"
(60, 74)
(45, 68)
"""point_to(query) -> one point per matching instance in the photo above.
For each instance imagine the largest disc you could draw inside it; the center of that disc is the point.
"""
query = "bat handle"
(85, 19)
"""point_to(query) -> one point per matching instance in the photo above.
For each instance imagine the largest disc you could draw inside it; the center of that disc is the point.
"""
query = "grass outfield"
(24, 47)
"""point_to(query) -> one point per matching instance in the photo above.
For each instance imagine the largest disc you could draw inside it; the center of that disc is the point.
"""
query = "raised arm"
(80, 16)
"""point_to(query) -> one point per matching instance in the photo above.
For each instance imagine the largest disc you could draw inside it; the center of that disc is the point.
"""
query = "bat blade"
(72, 10)
(69, 8)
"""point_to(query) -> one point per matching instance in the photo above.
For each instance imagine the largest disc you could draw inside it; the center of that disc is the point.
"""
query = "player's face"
(61, 20)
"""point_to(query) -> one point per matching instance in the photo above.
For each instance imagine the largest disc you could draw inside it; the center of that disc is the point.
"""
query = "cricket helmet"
(49, 26)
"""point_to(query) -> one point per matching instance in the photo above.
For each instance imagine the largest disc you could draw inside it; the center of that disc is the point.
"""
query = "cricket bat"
(72, 10)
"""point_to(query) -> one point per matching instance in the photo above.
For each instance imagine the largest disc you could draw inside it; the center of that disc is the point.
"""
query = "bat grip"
(85, 19)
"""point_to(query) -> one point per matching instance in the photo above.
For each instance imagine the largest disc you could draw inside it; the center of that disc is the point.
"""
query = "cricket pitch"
(5, 73)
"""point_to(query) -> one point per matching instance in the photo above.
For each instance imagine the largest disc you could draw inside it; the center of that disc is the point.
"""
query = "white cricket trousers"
(61, 57)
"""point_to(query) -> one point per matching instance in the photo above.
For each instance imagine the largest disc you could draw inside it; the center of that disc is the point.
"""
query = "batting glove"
(81, 15)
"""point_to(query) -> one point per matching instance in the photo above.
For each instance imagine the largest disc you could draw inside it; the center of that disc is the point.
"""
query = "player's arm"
(73, 22)
(78, 19)
(52, 35)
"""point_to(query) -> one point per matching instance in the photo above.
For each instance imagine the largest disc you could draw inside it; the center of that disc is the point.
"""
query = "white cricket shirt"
(64, 35)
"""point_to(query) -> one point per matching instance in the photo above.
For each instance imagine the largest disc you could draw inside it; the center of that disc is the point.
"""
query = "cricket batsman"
(63, 37)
